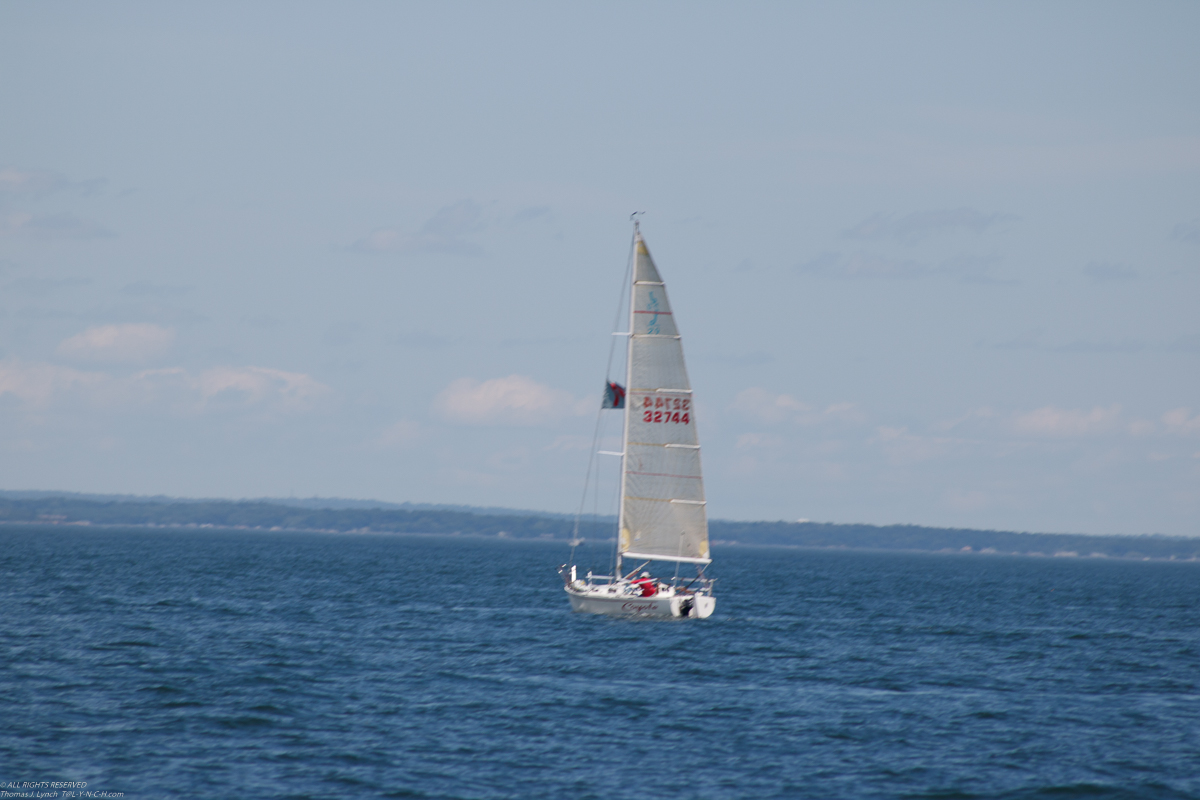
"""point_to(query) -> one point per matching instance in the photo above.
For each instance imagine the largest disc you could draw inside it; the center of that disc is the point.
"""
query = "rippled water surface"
(223, 665)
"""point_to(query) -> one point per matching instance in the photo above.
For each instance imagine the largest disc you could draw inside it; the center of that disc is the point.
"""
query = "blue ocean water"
(209, 664)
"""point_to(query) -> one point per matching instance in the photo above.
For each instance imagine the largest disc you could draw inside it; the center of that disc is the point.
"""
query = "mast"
(628, 404)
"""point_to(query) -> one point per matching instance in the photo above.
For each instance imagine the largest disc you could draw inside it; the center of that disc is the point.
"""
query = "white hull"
(598, 600)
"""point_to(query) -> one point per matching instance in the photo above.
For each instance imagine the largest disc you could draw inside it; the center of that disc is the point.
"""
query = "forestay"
(662, 505)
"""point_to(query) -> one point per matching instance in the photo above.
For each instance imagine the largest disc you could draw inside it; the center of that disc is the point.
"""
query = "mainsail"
(662, 491)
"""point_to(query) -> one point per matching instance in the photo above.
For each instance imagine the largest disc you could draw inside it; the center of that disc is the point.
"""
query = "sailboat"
(662, 515)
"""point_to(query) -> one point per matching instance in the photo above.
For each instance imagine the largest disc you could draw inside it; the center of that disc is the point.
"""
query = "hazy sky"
(933, 263)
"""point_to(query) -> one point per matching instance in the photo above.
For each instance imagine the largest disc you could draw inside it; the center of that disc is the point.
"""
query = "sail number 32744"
(666, 409)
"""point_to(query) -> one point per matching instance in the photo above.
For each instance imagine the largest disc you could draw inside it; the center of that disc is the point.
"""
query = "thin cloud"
(983, 413)
(224, 390)
(51, 227)
(771, 408)
(1031, 341)
(1100, 272)
(1078, 422)
(1187, 231)
(36, 183)
(753, 358)
(43, 287)
(22, 186)
(903, 447)
(127, 343)
(341, 334)
(29, 183)
(752, 441)
(38, 384)
(970, 500)
(871, 266)
(399, 435)
(380, 240)
(864, 265)
(1180, 421)
(447, 231)
(514, 400)
(144, 288)
(422, 339)
(533, 213)
(257, 385)
(1052, 421)
(919, 225)
(169, 390)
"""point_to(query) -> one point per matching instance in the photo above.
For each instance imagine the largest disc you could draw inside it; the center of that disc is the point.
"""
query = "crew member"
(647, 585)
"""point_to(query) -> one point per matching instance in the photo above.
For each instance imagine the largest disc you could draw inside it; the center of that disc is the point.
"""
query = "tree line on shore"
(267, 515)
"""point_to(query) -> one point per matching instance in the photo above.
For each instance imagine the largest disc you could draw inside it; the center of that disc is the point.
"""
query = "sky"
(933, 263)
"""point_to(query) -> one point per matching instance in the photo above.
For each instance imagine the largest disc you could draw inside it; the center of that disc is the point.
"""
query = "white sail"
(662, 504)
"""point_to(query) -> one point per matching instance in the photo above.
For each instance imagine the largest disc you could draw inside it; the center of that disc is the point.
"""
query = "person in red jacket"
(647, 585)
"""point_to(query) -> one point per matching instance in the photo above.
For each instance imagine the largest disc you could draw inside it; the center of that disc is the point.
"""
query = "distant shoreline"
(84, 524)
(62, 510)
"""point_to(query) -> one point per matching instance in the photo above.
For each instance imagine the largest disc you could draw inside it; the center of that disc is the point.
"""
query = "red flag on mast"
(614, 395)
